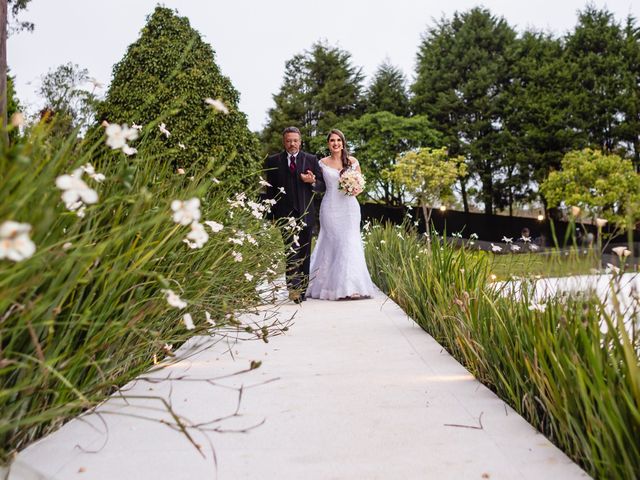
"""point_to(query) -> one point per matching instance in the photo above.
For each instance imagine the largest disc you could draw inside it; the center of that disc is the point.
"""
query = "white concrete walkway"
(355, 390)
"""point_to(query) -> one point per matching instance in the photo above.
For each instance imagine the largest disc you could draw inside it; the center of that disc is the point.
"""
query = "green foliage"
(165, 76)
(463, 70)
(605, 186)
(376, 139)
(569, 366)
(428, 175)
(87, 313)
(64, 96)
(321, 87)
(630, 128)
(388, 92)
(595, 57)
(16, 6)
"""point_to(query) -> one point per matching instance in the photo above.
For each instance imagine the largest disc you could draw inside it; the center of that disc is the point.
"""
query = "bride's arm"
(355, 164)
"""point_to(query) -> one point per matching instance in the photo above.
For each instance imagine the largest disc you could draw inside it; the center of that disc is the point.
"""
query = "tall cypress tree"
(321, 86)
(166, 75)
(595, 54)
(463, 70)
(630, 126)
(388, 91)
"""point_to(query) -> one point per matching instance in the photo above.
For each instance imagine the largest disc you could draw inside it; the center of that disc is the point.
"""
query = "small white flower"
(248, 276)
(621, 251)
(174, 300)
(251, 240)
(264, 183)
(76, 192)
(188, 321)
(540, 307)
(496, 248)
(383, 241)
(186, 211)
(89, 170)
(236, 256)
(525, 239)
(601, 222)
(127, 150)
(612, 268)
(180, 171)
(533, 246)
(136, 127)
(473, 236)
(118, 135)
(17, 119)
(507, 240)
(282, 190)
(163, 129)
(296, 240)
(269, 201)
(197, 237)
(515, 248)
(207, 315)
(66, 246)
(182, 146)
(215, 180)
(214, 226)
(15, 243)
(237, 241)
(217, 104)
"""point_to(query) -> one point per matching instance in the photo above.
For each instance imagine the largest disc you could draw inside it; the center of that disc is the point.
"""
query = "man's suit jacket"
(298, 198)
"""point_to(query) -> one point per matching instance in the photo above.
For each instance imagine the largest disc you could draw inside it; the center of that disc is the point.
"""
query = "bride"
(338, 269)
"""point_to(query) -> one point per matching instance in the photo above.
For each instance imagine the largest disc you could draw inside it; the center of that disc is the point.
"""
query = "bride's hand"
(308, 177)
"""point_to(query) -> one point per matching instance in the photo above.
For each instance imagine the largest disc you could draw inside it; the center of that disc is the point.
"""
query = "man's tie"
(292, 164)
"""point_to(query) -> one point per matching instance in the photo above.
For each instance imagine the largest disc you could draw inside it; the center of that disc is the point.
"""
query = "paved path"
(355, 390)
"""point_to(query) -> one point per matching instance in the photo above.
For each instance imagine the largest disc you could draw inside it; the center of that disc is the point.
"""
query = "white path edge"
(355, 390)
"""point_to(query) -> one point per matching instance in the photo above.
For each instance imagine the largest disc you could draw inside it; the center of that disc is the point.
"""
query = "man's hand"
(308, 177)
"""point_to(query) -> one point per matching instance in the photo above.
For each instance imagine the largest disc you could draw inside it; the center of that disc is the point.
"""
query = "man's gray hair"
(291, 130)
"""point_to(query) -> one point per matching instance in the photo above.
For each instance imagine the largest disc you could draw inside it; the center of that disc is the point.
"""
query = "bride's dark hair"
(344, 155)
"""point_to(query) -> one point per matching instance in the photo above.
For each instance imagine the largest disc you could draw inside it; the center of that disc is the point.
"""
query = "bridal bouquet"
(351, 183)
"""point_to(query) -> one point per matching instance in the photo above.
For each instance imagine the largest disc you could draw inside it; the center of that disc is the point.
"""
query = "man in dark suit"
(295, 178)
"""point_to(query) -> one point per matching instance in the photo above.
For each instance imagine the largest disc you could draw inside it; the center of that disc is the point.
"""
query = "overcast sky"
(253, 39)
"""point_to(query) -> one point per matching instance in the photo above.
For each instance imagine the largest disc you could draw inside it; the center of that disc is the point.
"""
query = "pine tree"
(388, 92)
(463, 71)
(166, 75)
(320, 88)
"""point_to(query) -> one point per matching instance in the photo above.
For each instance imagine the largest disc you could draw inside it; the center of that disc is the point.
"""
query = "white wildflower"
(174, 300)
(282, 190)
(533, 247)
(207, 315)
(214, 226)
(236, 256)
(217, 104)
(496, 248)
(89, 170)
(612, 268)
(15, 243)
(180, 171)
(188, 321)
(118, 135)
(248, 276)
(182, 146)
(601, 222)
(515, 248)
(251, 240)
(186, 211)
(76, 193)
(17, 119)
(136, 127)
(296, 240)
(163, 129)
(621, 251)
(473, 236)
(197, 237)
(66, 246)
(525, 239)
(215, 180)
(264, 183)
(127, 150)
(507, 240)
(237, 241)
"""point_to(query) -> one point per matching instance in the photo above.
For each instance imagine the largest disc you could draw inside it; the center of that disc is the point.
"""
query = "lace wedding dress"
(338, 268)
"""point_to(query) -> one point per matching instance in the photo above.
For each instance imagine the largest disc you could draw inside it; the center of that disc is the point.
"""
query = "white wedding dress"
(338, 268)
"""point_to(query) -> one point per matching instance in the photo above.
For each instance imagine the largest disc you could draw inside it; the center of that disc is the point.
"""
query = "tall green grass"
(576, 382)
(87, 312)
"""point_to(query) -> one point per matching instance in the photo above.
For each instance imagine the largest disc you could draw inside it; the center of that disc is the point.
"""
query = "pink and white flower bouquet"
(351, 183)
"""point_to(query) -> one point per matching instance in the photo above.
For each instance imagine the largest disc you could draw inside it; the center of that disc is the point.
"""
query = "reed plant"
(568, 365)
(116, 284)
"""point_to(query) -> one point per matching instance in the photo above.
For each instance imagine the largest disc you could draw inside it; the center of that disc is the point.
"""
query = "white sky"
(253, 39)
